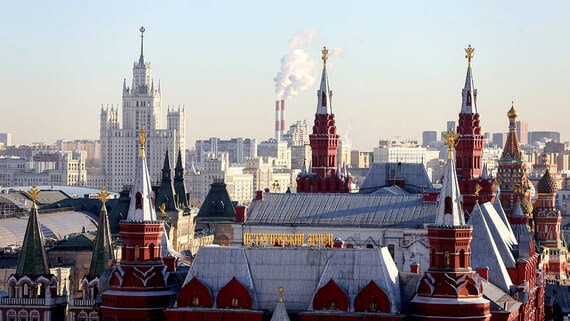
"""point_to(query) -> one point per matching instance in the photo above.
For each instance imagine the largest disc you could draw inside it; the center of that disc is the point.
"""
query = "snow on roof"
(416, 179)
(504, 239)
(299, 271)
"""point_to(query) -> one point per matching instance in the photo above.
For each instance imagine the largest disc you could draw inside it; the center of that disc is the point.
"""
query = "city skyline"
(388, 58)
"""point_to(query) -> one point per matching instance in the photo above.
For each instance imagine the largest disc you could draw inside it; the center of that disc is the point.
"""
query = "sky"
(397, 69)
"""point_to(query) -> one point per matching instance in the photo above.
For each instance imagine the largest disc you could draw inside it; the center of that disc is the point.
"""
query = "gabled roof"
(503, 237)
(416, 179)
(499, 208)
(217, 205)
(33, 258)
(301, 271)
(484, 251)
(363, 210)
(391, 190)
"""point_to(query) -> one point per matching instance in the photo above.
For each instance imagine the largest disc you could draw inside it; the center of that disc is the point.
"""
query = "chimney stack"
(282, 118)
(277, 122)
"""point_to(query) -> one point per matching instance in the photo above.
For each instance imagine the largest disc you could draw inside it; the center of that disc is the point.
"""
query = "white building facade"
(141, 107)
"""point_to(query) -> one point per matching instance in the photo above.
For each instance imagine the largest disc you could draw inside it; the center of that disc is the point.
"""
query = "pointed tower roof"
(141, 206)
(33, 258)
(546, 184)
(217, 206)
(324, 105)
(485, 173)
(280, 313)
(512, 150)
(179, 185)
(449, 209)
(141, 58)
(166, 194)
(103, 255)
(469, 93)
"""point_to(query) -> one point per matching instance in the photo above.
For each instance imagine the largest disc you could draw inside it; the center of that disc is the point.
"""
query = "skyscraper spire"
(103, 256)
(141, 58)
(166, 193)
(324, 105)
(33, 259)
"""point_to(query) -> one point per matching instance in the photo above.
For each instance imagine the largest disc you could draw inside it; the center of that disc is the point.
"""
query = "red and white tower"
(469, 150)
(138, 288)
(547, 220)
(450, 288)
(325, 175)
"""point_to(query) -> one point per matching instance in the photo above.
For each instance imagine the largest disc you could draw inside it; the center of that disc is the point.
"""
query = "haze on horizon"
(398, 68)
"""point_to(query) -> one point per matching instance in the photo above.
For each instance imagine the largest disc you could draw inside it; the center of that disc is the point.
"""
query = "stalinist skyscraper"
(141, 107)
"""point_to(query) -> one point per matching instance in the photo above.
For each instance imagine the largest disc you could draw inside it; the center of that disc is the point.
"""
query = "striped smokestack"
(277, 122)
(282, 118)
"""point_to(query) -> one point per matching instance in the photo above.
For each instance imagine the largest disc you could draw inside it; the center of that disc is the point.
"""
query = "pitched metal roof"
(300, 271)
(33, 258)
(416, 179)
(368, 210)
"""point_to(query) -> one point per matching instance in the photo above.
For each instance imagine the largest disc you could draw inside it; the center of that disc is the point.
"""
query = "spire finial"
(451, 140)
(34, 192)
(104, 195)
(325, 52)
(141, 59)
(142, 140)
(469, 50)
(280, 294)
(478, 189)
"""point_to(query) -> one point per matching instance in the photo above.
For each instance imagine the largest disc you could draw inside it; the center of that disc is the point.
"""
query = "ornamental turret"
(323, 176)
(511, 173)
(469, 150)
(450, 283)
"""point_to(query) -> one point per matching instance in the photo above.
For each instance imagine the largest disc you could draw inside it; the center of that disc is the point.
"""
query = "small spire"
(280, 294)
(141, 58)
(478, 189)
(33, 258)
(103, 255)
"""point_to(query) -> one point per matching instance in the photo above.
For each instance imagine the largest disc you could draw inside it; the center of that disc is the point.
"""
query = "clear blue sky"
(401, 72)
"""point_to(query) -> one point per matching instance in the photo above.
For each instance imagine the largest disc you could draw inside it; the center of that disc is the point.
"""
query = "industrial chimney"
(282, 118)
(277, 122)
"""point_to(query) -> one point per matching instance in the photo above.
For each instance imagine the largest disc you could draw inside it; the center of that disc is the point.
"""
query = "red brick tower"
(547, 220)
(138, 288)
(325, 175)
(469, 150)
(511, 174)
(450, 288)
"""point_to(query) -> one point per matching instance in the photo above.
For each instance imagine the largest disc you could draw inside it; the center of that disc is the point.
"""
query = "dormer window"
(138, 204)
(195, 301)
(235, 302)
(332, 305)
(447, 204)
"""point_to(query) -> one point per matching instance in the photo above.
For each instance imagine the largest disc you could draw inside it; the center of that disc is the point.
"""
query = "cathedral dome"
(526, 206)
(546, 185)
(512, 112)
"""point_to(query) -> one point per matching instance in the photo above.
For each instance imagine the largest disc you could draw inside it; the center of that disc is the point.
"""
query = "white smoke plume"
(298, 70)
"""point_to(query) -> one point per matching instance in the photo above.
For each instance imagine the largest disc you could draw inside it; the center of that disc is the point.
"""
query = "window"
(372, 306)
(447, 208)
(196, 301)
(391, 249)
(446, 259)
(235, 302)
(136, 253)
(138, 204)
(462, 258)
(26, 290)
(332, 305)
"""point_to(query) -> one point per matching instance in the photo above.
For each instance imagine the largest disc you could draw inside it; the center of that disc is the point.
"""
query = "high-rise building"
(542, 136)
(451, 125)
(141, 108)
(6, 139)
(237, 148)
(429, 137)
(325, 174)
(298, 134)
(522, 131)
(499, 139)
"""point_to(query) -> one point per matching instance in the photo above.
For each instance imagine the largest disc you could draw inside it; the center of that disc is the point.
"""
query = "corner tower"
(325, 175)
(138, 288)
(469, 150)
(450, 288)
